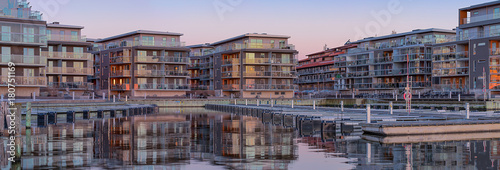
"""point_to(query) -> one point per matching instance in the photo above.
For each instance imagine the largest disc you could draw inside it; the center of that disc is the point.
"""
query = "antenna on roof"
(348, 42)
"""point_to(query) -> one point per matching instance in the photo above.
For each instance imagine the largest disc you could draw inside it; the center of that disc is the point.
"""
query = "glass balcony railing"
(401, 85)
(11, 37)
(25, 81)
(231, 87)
(152, 86)
(231, 74)
(451, 72)
(160, 73)
(121, 73)
(58, 37)
(128, 43)
(71, 85)
(161, 59)
(67, 55)
(450, 56)
(202, 87)
(197, 54)
(121, 59)
(69, 70)
(270, 87)
(231, 61)
(480, 18)
(121, 87)
(23, 59)
(241, 46)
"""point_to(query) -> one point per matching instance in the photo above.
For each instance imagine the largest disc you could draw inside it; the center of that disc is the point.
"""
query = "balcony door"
(141, 56)
(29, 74)
(6, 36)
(29, 55)
(6, 55)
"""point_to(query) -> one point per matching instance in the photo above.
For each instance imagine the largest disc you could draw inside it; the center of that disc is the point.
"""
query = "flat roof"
(487, 4)
(200, 45)
(417, 31)
(263, 35)
(333, 49)
(52, 25)
(139, 32)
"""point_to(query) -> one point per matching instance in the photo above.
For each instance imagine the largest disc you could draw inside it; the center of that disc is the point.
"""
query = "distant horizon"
(310, 24)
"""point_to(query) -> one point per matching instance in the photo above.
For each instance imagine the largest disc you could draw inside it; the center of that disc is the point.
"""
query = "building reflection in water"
(176, 140)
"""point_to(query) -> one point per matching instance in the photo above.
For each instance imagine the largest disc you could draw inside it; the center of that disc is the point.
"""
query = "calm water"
(200, 139)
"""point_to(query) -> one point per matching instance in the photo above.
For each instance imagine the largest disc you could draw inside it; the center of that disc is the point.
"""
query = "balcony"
(202, 87)
(120, 87)
(257, 74)
(161, 73)
(415, 57)
(284, 74)
(401, 85)
(452, 56)
(233, 61)
(67, 55)
(412, 71)
(198, 54)
(161, 59)
(231, 87)
(257, 61)
(17, 38)
(71, 38)
(23, 60)
(120, 73)
(451, 72)
(120, 59)
(242, 46)
(127, 43)
(69, 70)
(71, 86)
(25, 81)
(269, 87)
(231, 74)
(173, 87)
(480, 18)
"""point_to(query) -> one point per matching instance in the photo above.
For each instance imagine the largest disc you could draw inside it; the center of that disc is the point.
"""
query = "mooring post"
(93, 95)
(342, 106)
(126, 98)
(119, 96)
(292, 103)
(144, 95)
(34, 96)
(450, 94)
(258, 102)
(368, 113)
(73, 95)
(235, 102)
(114, 99)
(396, 97)
(314, 104)
(390, 107)
(103, 96)
(353, 95)
(419, 95)
(467, 110)
(336, 95)
(458, 97)
(246, 102)
(272, 103)
(28, 115)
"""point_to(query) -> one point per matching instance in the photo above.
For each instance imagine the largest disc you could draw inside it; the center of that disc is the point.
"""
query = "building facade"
(68, 61)
(143, 63)
(318, 73)
(21, 40)
(251, 66)
(201, 71)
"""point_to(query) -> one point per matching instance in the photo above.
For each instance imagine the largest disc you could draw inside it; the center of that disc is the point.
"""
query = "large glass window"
(29, 34)
(148, 40)
(49, 34)
(5, 55)
(256, 43)
(6, 36)
(74, 36)
(496, 13)
(29, 54)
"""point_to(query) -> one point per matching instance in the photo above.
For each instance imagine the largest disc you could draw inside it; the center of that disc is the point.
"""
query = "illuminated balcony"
(231, 74)
(121, 73)
(231, 87)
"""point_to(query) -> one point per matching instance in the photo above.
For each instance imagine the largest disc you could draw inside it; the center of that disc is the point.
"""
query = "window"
(496, 13)
(29, 54)
(61, 35)
(276, 93)
(5, 55)
(29, 35)
(282, 93)
(6, 36)
(74, 36)
(148, 40)
(49, 34)
(164, 43)
(256, 43)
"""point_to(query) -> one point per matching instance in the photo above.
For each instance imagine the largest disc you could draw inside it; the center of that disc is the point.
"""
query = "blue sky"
(311, 23)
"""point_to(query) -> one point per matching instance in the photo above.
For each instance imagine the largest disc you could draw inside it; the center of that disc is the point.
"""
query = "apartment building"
(478, 35)
(381, 64)
(253, 65)
(69, 63)
(201, 67)
(317, 72)
(21, 40)
(143, 63)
